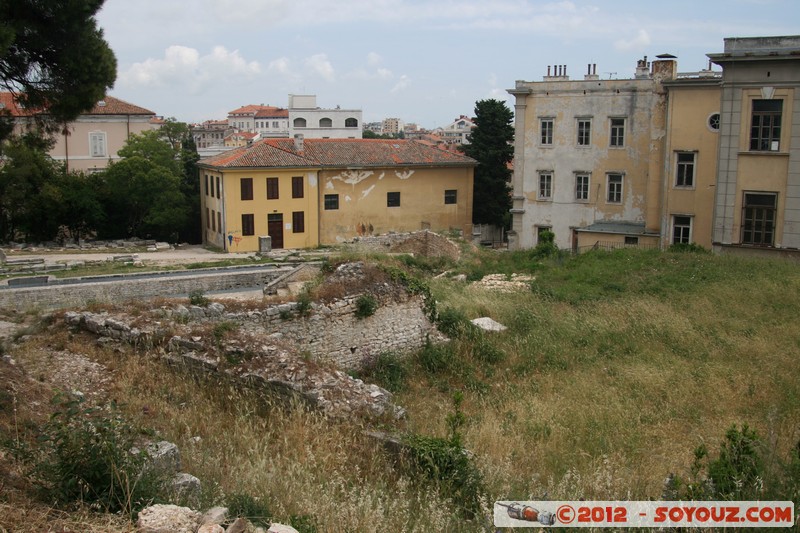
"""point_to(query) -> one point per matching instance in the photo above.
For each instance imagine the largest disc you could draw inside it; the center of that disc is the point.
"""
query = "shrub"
(245, 506)
(366, 305)
(453, 322)
(436, 357)
(85, 455)
(388, 370)
(303, 307)
(198, 298)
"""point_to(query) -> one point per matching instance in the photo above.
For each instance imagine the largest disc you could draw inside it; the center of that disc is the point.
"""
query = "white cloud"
(401, 85)
(280, 65)
(182, 65)
(641, 40)
(319, 65)
(373, 59)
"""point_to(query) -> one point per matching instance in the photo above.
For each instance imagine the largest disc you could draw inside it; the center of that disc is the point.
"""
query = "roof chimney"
(298, 142)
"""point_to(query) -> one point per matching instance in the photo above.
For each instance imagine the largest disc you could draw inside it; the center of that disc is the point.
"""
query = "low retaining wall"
(61, 295)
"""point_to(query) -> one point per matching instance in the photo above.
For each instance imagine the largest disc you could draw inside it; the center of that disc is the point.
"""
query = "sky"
(423, 61)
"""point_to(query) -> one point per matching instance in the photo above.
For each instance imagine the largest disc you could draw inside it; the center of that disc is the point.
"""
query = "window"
(218, 187)
(272, 188)
(299, 123)
(684, 170)
(581, 187)
(545, 185)
(208, 219)
(450, 196)
(681, 229)
(298, 222)
(219, 221)
(97, 144)
(584, 132)
(297, 186)
(331, 202)
(540, 230)
(546, 128)
(614, 189)
(206, 188)
(213, 220)
(247, 188)
(325, 123)
(713, 122)
(617, 132)
(631, 241)
(248, 224)
(758, 219)
(350, 123)
(392, 199)
(765, 129)
(274, 124)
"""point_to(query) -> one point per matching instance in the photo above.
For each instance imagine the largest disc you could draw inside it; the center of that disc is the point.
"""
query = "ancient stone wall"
(423, 243)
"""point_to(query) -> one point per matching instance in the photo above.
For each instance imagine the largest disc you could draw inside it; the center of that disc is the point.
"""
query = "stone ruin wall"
(423, 243)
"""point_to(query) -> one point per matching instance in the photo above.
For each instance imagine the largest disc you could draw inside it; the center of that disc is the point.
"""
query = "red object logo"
(565, 514)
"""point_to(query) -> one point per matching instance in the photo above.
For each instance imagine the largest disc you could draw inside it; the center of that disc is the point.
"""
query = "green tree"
(75, 202)
(53, 55)
(491, 144)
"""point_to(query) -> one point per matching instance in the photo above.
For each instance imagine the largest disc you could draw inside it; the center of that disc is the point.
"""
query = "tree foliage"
(491, 144)
(54, 57)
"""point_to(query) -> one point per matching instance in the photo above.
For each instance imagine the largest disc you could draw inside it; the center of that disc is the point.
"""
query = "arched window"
(299, 123)
(351, 123)
(325, 123)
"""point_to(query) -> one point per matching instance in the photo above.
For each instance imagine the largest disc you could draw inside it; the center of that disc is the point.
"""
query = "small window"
(272, 188)
(540, 234)
(331, 202)
(218, 188)
(248, 224)
(392, 199)
(758, 218)
(325, 123)
(208, 219)
(247, 188)
(617, 132)
(298, 222)
(713, 122)
(765, 129)
(219, 221)
(97, 144)
(684, 169)
(545, 186)
(614, 189)
(350, 123)
(299, 123)
(450, 196)
(631, 241)
(297, 186)
(584, 132)
(274, 124)
(581, 187)
(681, 229)
(213, 220)
(206, 187)
(546, 130)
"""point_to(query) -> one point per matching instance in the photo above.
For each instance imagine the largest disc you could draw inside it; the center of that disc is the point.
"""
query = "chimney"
(298, 142)
(591, 72)
(642, 69)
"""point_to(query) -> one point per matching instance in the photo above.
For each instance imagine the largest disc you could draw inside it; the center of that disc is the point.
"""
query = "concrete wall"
(79, 295)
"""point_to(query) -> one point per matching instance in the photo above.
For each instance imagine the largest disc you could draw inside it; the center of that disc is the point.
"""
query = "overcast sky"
(421, 61)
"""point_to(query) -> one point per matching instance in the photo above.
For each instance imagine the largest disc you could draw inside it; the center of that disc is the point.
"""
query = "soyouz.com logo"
(643, 514)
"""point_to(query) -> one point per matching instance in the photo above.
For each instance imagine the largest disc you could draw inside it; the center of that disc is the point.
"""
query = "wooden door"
(275, 229)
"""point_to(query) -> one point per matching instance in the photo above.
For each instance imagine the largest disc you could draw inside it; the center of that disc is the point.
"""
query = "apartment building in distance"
(93, 139)
(709, 157)
(313, 122)
(457, 132)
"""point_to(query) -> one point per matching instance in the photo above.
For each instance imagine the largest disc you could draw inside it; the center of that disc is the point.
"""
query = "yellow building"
(303, 193)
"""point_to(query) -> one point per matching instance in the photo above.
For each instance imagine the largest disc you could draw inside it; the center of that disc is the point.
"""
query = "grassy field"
(615, 367)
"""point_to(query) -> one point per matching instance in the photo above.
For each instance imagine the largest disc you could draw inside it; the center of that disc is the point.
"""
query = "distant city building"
(392, 126)
(313, 122)
(374, 127)
(458, 131)
(267, 121)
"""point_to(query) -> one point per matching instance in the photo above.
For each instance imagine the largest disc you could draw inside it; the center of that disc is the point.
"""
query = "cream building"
(313, 122)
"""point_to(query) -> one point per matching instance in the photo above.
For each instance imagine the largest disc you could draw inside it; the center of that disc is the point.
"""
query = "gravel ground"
(185, 254)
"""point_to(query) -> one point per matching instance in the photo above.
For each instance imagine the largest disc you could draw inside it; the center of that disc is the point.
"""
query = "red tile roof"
(336, 153)
(108, 106)
(260, 111)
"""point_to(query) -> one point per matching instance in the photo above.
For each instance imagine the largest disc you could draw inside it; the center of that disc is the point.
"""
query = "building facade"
(91, 141)
(306, 192)
(313, 122)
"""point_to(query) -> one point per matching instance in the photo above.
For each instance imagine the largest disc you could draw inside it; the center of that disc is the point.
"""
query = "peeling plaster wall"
(640, 101)
(363, 210)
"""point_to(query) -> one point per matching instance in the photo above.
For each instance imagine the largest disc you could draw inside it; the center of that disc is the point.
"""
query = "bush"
(388, 370)
(85, 455)
(453, 323)
(436, 357)
(366, 305)
(245, 506)
(303, 307)
(198, 298)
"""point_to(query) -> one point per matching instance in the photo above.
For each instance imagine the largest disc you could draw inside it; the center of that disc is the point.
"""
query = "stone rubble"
(502, 283)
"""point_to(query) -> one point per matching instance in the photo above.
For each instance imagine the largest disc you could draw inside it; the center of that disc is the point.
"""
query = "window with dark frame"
(681, 229)
(247, 188)
(581, 187)
(218, 188)
(392, 199)
(298, 222)
(206, 189)
(631, 241)
(765, 128)
(219, 221)
(213, 220)
(617, 132)
(331, 202)
(684, 169)
(614, 189)
(546, 126)
(758, 218)
(272, 188)
(208, 219)
(584, 132)
(450, 196)
(297, 186)
(248, 224)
